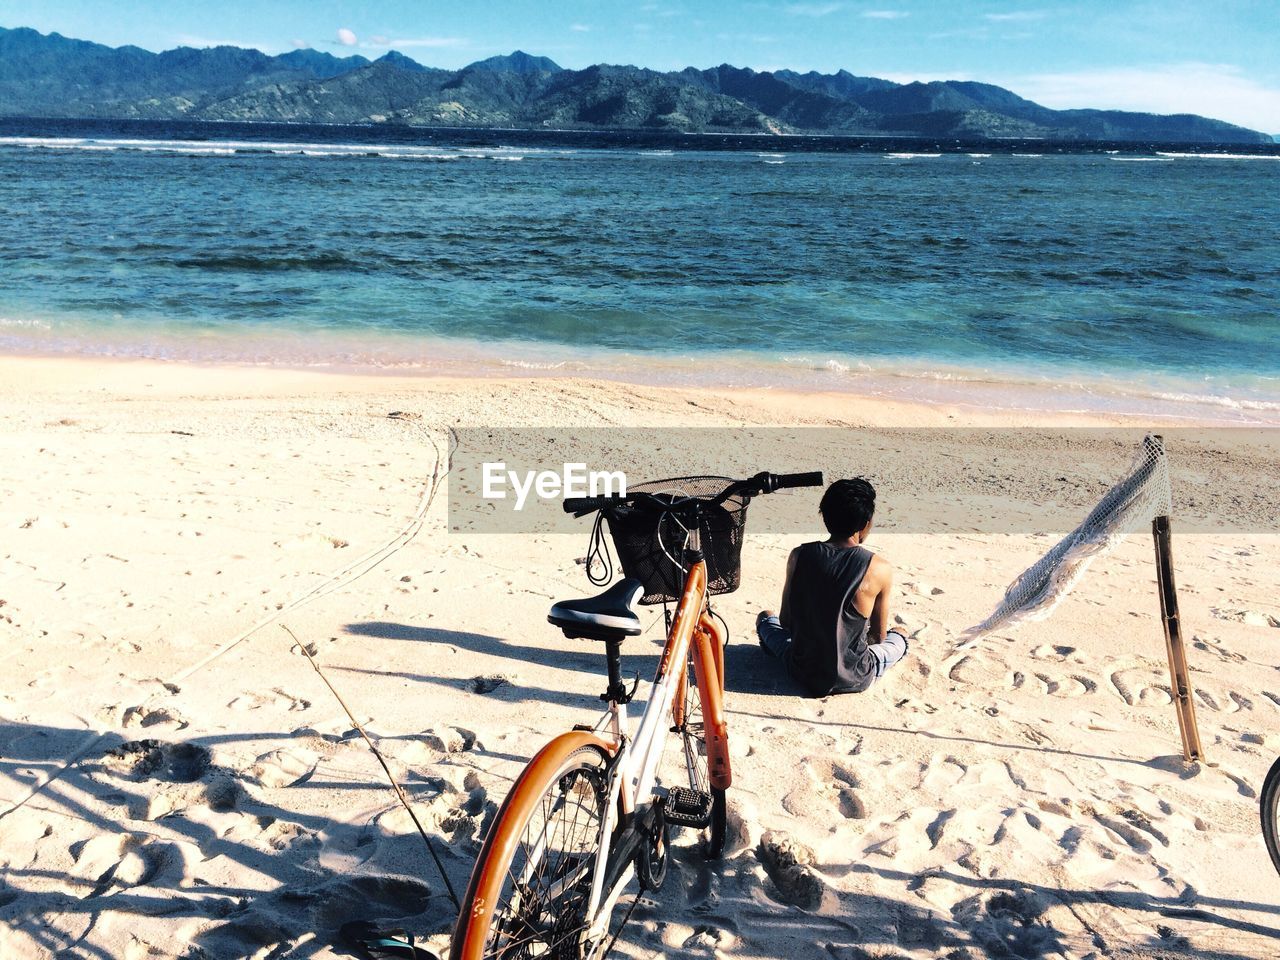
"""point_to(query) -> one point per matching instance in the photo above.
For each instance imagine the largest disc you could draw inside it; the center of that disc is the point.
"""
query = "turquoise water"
(1127, 285)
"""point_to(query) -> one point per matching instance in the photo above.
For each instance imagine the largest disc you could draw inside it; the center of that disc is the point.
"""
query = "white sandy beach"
(176, 781)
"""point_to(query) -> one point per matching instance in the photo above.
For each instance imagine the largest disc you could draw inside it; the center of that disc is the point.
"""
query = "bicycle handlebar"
(761, 483)
(788, 480)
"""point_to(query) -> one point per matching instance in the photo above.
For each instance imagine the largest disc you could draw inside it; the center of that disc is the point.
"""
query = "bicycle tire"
(693, 756)
(528, 890)
(1269, 807)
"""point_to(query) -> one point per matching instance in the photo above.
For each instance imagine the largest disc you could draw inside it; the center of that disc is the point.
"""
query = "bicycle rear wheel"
(1270, 808)
(530, 888)
(693, 757)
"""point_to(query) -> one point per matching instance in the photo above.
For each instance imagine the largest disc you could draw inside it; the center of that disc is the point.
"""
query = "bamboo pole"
(1180, 682)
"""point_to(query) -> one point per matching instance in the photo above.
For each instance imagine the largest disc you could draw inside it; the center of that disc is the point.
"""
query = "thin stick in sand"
(399, 791)
(1180, 682)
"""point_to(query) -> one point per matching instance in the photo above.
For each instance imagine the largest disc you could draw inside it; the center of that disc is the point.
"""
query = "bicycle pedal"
(688, 808)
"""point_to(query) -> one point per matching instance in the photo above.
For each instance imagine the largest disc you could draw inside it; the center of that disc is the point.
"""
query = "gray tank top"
(828, 652)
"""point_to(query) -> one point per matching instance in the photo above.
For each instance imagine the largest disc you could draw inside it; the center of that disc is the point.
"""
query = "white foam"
(979, 154)
(534, 364)
(912, 156)
(278, 148)
(1214, 400)
(1142, 159)
(1218, 156)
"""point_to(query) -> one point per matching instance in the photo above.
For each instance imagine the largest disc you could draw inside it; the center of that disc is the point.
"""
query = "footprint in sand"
(153, 760)
(487, 684)
(1065, 686)
(789, 866)
(1250, 618)
(1141, 686)
(829, 783)
(1011, 924)
(447, 739)
(978, 670)
(116, 862)
(287, 767)
(940, 775)
(1056, 653)
(277, 698)
(1219, 700)
(1214, 646)
(180, 775)
(143, 716)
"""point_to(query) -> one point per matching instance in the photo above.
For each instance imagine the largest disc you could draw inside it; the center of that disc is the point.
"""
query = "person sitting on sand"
(831, 630)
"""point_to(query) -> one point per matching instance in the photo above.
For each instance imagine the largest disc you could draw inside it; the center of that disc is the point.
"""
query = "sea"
(1131, 278)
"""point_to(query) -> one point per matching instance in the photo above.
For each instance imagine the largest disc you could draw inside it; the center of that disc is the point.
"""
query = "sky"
(1219, 58)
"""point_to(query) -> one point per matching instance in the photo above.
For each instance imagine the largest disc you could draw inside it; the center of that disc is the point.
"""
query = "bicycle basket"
(649, 544)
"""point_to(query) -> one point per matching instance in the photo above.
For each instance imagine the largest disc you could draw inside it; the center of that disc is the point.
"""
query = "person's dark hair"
(847, 506)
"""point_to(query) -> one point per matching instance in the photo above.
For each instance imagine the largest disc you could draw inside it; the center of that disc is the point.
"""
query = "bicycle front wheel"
(529, 892)
(1270, 807)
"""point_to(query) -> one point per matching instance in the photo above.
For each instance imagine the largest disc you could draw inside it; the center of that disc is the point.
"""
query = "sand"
(176, 781)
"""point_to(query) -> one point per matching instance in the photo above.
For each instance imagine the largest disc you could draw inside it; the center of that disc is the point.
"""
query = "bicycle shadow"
(585, 664)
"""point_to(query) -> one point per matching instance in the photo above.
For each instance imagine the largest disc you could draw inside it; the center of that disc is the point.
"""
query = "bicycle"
(1269, 806)
(587, 814)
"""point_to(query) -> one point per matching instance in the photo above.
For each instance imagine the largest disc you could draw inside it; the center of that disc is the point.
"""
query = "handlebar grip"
(580, 506)
(787, 480)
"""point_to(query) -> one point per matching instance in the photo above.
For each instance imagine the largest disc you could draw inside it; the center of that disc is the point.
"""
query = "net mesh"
(1141, 495)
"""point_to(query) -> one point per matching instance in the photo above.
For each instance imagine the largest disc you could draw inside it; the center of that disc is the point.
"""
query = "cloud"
(1017, 16)
(346, 37)
(812, 9)
(299, 44)
(885, 14)
(579, 28)
(1221, 91)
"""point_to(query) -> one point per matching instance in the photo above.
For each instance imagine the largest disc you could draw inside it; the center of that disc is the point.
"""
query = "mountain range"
(48, 75)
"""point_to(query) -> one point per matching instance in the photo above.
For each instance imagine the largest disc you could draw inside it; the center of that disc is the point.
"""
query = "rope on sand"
(360, 566)
(348, 574)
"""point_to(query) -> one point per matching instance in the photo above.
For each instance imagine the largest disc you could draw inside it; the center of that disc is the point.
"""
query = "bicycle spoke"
(547, 887)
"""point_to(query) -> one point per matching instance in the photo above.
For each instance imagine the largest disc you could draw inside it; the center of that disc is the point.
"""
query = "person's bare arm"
(883, 574)
(784, 611)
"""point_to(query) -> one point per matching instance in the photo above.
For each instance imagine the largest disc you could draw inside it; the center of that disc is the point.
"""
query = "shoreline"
(20, 373)
(970, 400)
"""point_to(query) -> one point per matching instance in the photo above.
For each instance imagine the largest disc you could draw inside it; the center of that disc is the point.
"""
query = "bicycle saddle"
(608, 616)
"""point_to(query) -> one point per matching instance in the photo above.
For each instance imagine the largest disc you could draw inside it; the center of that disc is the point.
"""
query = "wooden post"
(1180, 683)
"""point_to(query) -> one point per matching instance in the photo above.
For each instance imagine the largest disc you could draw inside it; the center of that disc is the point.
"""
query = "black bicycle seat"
(608, 616)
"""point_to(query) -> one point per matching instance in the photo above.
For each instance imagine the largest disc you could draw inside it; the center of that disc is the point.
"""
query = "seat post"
(617, 692)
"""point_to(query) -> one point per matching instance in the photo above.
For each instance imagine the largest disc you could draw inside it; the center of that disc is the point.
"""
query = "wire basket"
(650, 544)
